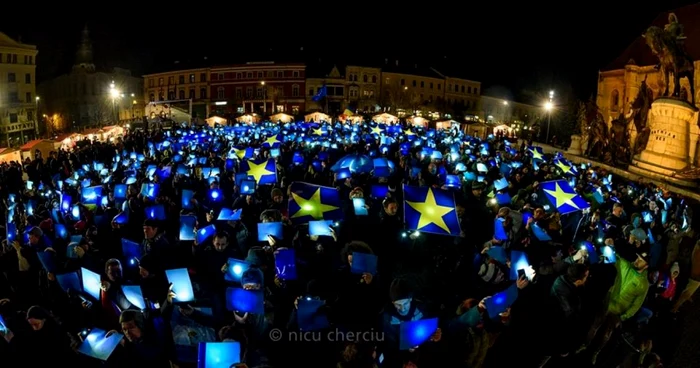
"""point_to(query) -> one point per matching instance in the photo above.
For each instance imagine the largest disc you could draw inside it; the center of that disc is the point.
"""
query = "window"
(171, 80)
(270, 73)
(160, 81)
(295, 74)
(249, 92)
(439, 87)
(28, 97)
(220, 93)
(191, 96)
(192, 80)
(365, 78)
(181, 79)
(295, 90)
(239, 75)
(280, 74)
(249, 75)
(160, 96)
(203, 93)
(614, 100)
(28, 78)
(151, 83)
(476, 91)
(260, 75)
(259, 93)
(403, 82)
(151, 97)
(181, 94)
(11, 78)
(220, 76)
(422, 84)
(295, 110)
(13, 96)
(239, 93)
(171, 95)
(374, 79)
(279, 108)
(469, 89)
(311, 91)
(30, 115)
(431, 85)
(13, 118)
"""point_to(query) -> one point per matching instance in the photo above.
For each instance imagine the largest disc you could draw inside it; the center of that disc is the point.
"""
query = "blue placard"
(186, 201)
(320, 227)
(363, 263)
(359, 206)
(98, 345)
(500, 302)
(247, 186)
(91, 283)
(218, 354)
(181, 285)
(285, 264)
(311, 314)
(131, 251)
(414, 333)
(134, 295)
(228, 214)
(69, 281)
(205, 233)
(245, 301)
(235, 270)
(187, 224)
(156, 212)
(273, 229)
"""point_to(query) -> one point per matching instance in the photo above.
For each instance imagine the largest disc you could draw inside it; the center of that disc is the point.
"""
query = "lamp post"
(548, 106)
(114, 94)
(264, 97)
(36, 113)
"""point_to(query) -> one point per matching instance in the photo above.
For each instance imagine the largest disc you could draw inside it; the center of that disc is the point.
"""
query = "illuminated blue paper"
(519, 261)
(592, 252)
(216, 195)
(187, 196)
(120, 191)
(218, 354)
(187, 224)
(235, 270)
(205, 233)
(540, 233)
(500, 184)
(414, 333)
(499, 232)
(48, 261)
(320, 228)
(181, 285)
(286, 264)
(608, 254)
(131, 251)
(311, 314)
(269, 228)
(156, 212)
(247, 186)
(498, 254)
(11, 232)
(91, 283)
(134, 295)
(245, 301)
(359, 206)
(500, 302)
(69, 281)
(98, 346)
(363, 263)
(228, 214)
(150, 190)
(453, 181)
(379, 191)
(91, 195)
(75, 213)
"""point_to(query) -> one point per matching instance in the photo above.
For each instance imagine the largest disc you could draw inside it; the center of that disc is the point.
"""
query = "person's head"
(220, 241)
(147, 266)
(150, 229)
(357, 192)
(477, 188)
(132, 323)
(37, 317)
(252, 279)
(35, 235)
(636, 220)
(277, 195)
(642, 262)
(577, 274)
(355, 247)
(390, 206)
(113, 270)
(401, 295)
(617, 209)
(270, 216)
(675, 270)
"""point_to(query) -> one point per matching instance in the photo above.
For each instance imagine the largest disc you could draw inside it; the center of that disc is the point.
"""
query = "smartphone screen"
(521, 273)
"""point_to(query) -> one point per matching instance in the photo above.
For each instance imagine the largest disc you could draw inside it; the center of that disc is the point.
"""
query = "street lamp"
(262, 83)
(114, 94)
(548, 106)
(36, 126)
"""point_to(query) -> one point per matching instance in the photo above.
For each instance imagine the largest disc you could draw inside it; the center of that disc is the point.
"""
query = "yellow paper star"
(311, 207)
(561, 197)
(564, 167)
(240, 153)
(431, 212)
(377, 130)
(408, 132)
(272, 140)
(257, 171)
(318, 131)
(536, 154)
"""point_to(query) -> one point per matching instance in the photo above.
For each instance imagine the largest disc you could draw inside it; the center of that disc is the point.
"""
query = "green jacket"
(629, 291)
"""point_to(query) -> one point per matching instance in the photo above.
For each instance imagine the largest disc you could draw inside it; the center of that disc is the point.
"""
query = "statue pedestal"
(667, 150)
(575, 147)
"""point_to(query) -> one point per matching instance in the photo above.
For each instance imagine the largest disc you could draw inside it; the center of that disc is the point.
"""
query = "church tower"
(83, 56)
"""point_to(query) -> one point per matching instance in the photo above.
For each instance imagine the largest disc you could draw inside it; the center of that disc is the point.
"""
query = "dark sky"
(516, 50)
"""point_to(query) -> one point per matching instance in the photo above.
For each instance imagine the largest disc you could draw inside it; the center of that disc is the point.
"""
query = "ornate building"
(619, 82)
(178, 89)
(86, 97)
(18, 100)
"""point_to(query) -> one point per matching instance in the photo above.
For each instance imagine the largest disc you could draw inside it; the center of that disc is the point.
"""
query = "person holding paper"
(153, 284)
(141, 347)
(567, 295)
(155, 243)
(356, 305)
(113, 299)
(212, 260)
(55, 343)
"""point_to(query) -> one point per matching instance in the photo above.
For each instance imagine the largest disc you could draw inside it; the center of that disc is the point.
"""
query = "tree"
(101, 113)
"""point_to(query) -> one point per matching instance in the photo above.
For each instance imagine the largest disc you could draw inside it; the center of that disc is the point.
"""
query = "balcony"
(16, 127)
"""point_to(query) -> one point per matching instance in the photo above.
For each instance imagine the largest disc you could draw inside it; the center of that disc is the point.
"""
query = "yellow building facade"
(410, 91)
(364, 87)
(18, 100)
(180, 86)
(464, 93)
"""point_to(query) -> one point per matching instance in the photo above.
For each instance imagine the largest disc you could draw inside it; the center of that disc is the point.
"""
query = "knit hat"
(477, 185)
(252, 275)
(276, 192)
(400, 289)
(256, 256)
(37, 312)
(639, 234)
(148, 263)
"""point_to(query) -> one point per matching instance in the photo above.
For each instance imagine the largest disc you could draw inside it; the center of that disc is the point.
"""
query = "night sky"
(518, 55)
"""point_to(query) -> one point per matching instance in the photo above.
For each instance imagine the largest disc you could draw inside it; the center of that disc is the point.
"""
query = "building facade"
(364, 88)
(18, 100)
(619, 82)
(178, 89)
(88, 98)
(336, 97)
(260, 87)
(463, 95)
(412, 90)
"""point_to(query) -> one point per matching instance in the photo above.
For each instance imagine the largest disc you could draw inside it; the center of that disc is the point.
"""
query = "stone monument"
(672, 121)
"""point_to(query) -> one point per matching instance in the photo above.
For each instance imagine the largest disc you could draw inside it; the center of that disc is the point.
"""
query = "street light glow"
(37, 98)
(548, 105)
(262, 83)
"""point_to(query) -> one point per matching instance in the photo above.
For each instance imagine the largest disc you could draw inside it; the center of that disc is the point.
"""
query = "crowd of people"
(519, 282)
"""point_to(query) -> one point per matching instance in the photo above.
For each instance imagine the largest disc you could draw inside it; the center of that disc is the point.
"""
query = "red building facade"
(261, 87)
